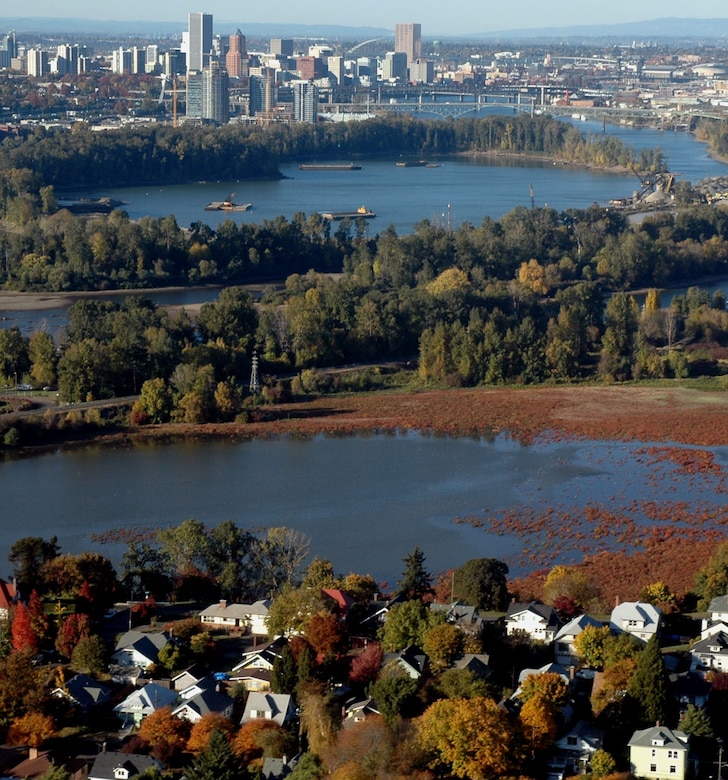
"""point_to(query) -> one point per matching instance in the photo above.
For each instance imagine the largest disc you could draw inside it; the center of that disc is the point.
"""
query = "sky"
(436, 17)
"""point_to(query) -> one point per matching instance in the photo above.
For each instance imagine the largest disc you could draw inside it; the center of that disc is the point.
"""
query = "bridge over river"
(456, 105)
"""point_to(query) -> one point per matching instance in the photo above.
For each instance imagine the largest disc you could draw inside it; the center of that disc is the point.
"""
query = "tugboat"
(329, 167)
(228, 205)
(361, 213)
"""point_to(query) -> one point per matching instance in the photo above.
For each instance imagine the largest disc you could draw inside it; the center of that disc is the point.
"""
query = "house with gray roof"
(277, 707)
(139, 648)
(143, 702)
(203, 703)
(83, 692)
(659, 753)
(120, 766)
(711, 653)
(412, 661)
(245, 617)
(564, 652)
(638, 618)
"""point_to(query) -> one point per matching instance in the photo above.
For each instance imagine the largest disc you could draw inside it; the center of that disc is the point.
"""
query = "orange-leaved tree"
(201, 731)
(164, 733)
(31, 729)
(470, 738)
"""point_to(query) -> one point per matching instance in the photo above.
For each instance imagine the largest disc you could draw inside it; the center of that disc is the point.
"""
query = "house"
(278, 768)
(689, 688)
(412, 661)
(253, 679)
(357, 711)
(120, 766)
(139, 648)
(524, 674)
(475, 663)
(578, 745)
(36, 765)
(539, 621)
(717, 611)
(710, 653)
(638, 618)
(564, 652)
(277, 707)
(143, 702)
(188, 677)
(378, 610)
(246, 617)
(206, 701)
(83, 692)
(262, 657)
(461, 615)
(659, 752)
(8, 596)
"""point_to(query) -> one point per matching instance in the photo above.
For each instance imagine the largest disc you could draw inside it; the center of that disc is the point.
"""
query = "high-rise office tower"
(408, 38)
(199, 41)
(236, 59)
(281, 47)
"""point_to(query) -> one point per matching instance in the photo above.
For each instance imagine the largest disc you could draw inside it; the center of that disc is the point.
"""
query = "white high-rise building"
(199, 41)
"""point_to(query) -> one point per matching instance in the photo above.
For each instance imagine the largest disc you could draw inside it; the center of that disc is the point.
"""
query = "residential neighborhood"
(284, 686)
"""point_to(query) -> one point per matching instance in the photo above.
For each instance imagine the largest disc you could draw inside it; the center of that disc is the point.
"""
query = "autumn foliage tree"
(469, 738)
(248, 742)
(164, 733)
(31, 729)
(73, 629)
(201, 731)
(326, 635)
(23, 635)
(362, 752)
(366, 665)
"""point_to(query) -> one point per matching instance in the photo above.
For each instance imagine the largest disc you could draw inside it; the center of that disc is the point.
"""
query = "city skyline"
(531, 14)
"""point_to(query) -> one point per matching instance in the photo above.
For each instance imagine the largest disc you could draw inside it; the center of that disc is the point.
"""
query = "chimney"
(33, 753)
(223, 604)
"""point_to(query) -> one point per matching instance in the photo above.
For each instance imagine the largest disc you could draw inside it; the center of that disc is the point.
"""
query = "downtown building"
(208, 94)
(408, 39)
(198, 41)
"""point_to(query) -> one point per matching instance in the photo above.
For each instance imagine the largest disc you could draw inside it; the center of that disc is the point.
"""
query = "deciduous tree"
(366, 665)
(205, 726)
(442, 644)
(470, 738)
(31, 729)
(24, 637)
(164, 733)
(73, 629)
(216, 762)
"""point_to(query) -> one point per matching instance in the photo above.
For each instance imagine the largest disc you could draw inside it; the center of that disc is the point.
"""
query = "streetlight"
(720, 758)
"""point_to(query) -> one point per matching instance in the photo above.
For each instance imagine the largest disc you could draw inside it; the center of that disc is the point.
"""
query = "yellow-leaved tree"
(471, 738)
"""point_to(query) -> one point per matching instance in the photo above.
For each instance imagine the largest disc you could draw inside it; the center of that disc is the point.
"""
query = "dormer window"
(121, 773)
(658, 742)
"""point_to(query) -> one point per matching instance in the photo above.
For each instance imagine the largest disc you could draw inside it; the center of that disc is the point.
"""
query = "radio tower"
(254, 379)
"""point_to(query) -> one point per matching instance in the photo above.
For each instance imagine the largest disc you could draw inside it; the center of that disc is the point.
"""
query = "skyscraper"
(236, 59)
(408, 38)
(199, 41)
(305, 102)
(215, 94)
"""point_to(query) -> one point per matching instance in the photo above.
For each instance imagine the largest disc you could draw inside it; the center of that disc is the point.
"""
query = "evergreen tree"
(648, 687)
(216, 762)
(416, 582)
(285, 672)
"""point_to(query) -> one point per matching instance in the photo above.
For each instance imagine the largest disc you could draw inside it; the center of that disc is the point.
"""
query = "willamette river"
(365, 501)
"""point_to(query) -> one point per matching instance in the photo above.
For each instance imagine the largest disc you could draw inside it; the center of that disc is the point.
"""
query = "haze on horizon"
(527, 14)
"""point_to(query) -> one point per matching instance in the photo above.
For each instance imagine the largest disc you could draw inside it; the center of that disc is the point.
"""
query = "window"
(571, 740)
(654, 752)
(653, 767)
(673, 769)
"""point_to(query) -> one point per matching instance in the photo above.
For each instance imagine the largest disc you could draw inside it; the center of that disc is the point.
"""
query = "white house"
(578, 745)
(246, 617)
(144, 701)
(539, 621)
(659, 753)
(139, 648)
(711, 653)
(638, 618)
(262, 657)
(564, 652)
(206, 701)
(277, 707)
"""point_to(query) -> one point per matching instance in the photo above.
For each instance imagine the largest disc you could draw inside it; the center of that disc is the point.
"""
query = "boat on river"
(361, 213)
(414, 164)
(329, 167)
(228, 205)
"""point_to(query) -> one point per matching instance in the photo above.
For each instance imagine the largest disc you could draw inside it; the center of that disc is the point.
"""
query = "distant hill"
(653, 29)
(66, 26)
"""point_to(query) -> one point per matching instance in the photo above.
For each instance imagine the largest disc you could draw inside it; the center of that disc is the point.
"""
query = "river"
(365, 501)
(462, 189)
